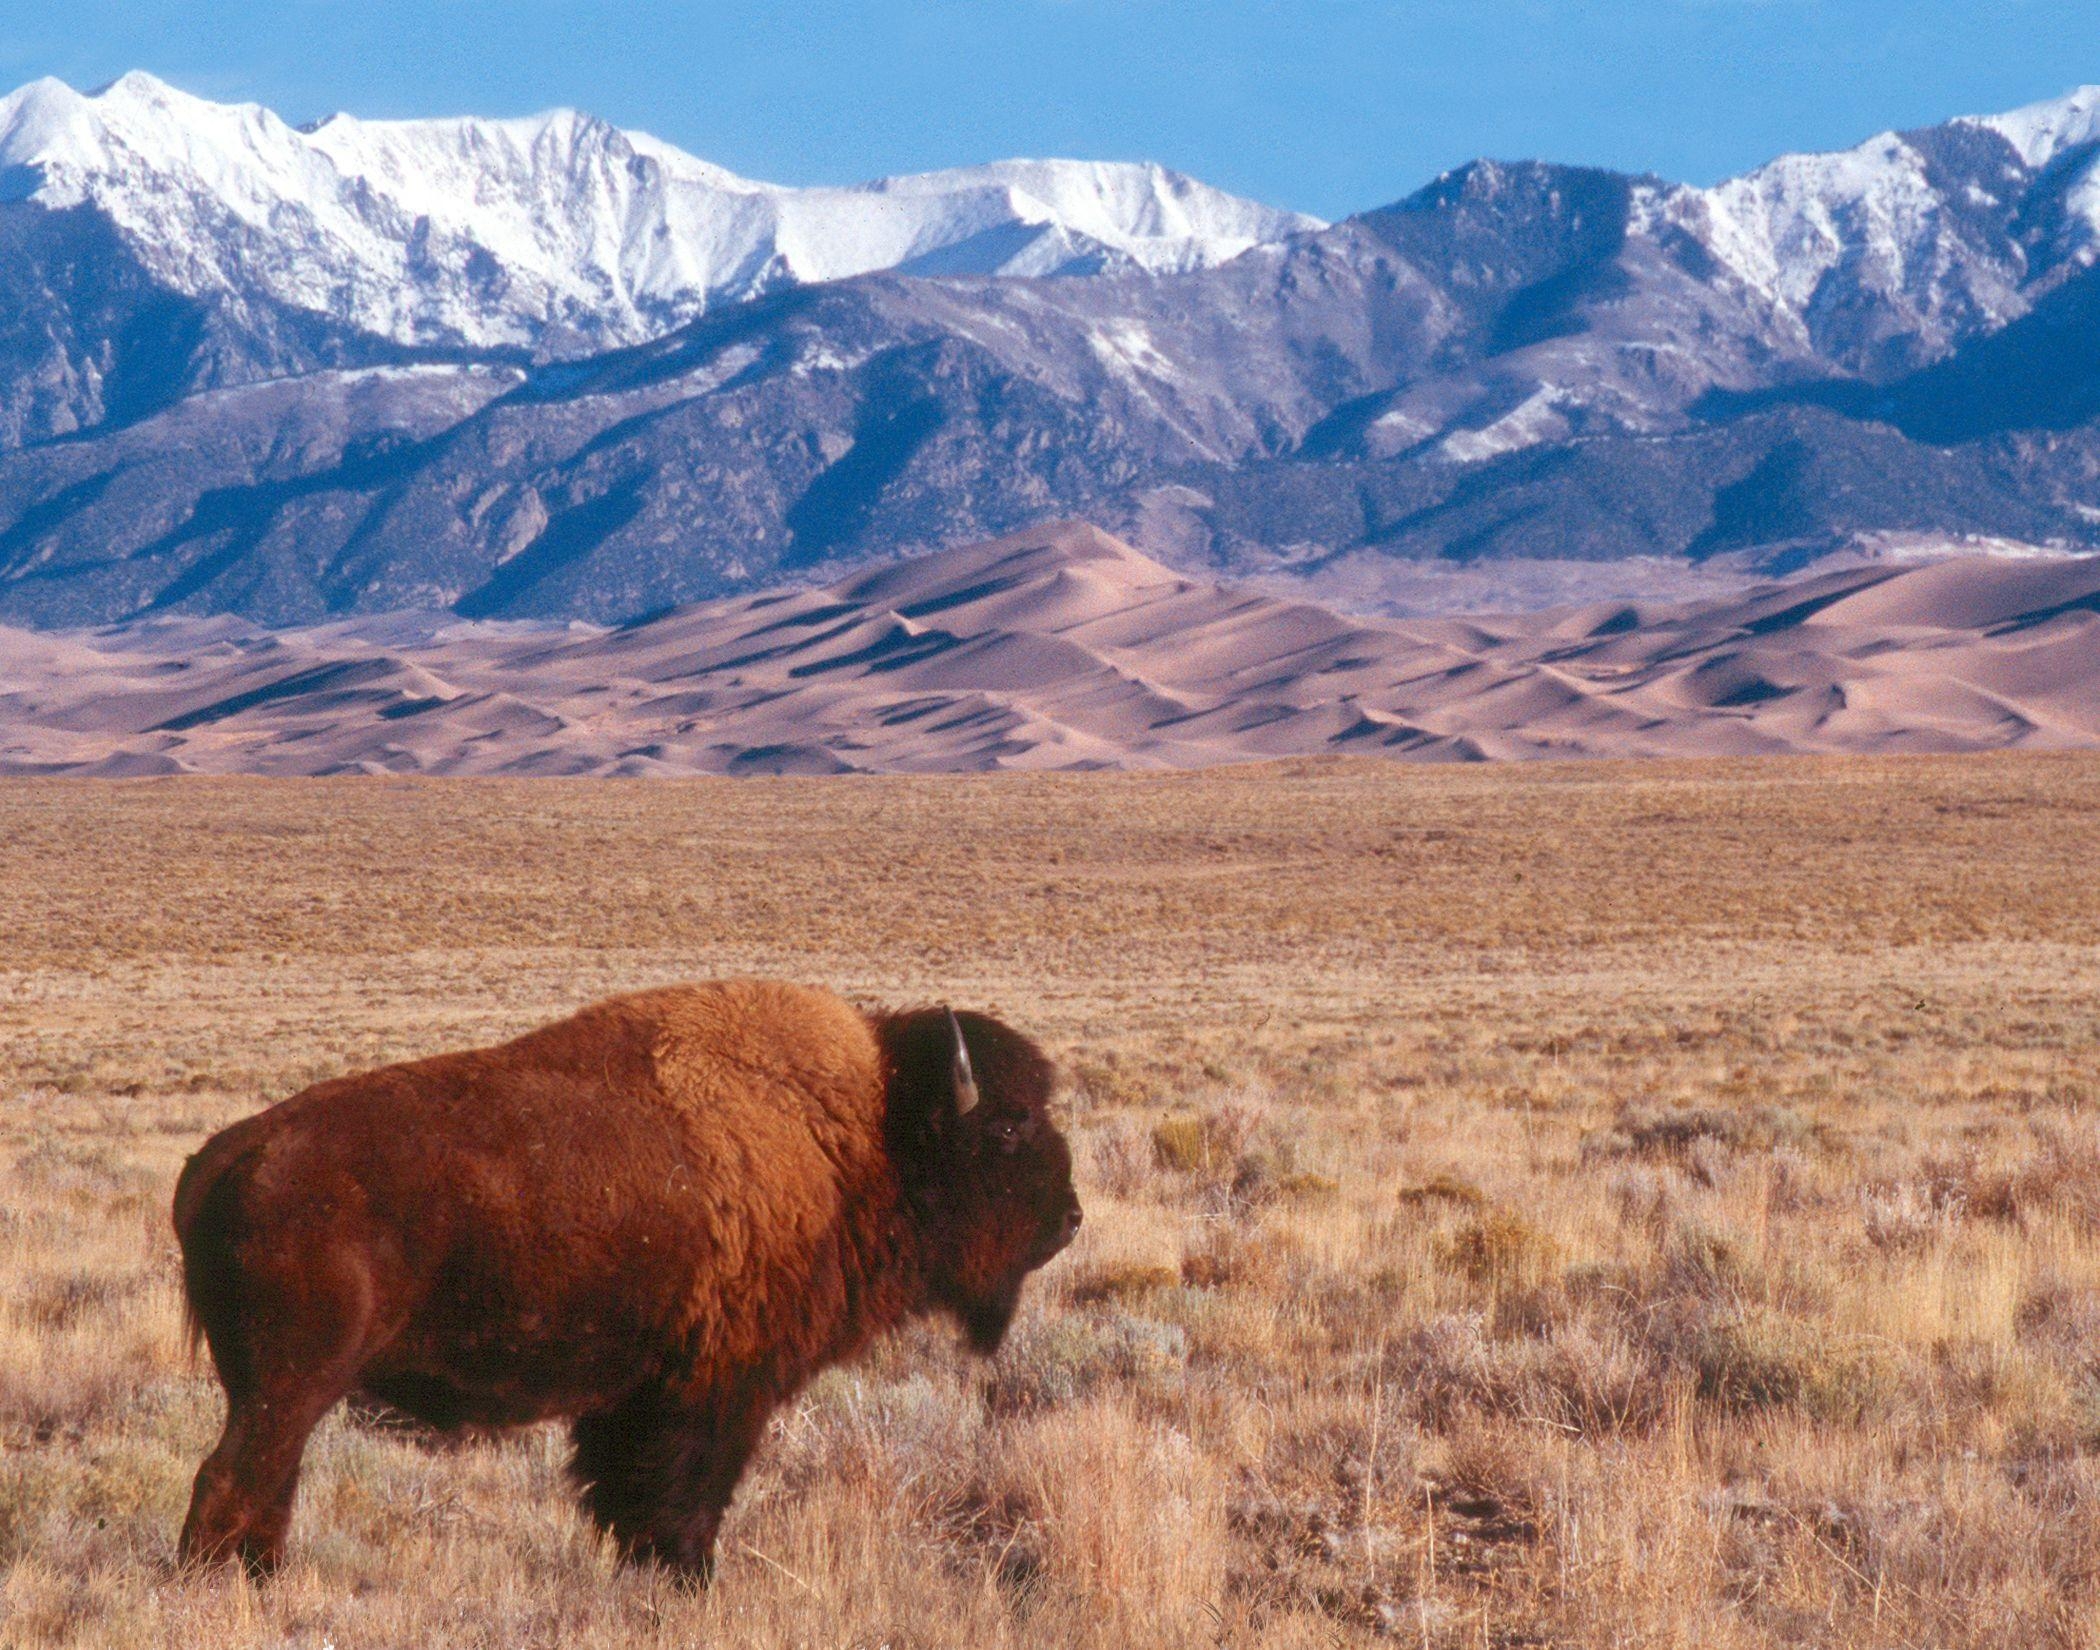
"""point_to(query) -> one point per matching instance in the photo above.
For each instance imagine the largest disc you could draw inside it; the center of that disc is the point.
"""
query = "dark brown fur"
(657, 1218)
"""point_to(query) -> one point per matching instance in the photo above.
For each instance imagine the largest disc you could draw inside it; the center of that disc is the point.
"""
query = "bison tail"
(192, 1331)
(203, 1215)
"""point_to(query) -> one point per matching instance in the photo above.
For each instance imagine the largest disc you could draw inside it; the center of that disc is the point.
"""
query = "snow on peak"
(1786, 225)
(2042, 131)
(45, 118)
(1893, 218)
(557, 226)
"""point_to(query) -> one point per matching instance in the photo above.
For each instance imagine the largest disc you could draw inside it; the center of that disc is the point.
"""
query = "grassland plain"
(1590, 1204)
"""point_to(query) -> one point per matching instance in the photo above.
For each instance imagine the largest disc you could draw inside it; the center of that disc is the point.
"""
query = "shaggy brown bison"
(657, 1218)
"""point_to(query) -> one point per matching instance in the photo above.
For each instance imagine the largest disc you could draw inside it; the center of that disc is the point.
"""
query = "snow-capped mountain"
(558, 233)
(1619, 303)
(1885, 256)
(2042, 131)
(547, 368)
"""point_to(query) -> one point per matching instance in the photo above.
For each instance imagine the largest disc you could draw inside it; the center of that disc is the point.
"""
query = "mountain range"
(549, 369)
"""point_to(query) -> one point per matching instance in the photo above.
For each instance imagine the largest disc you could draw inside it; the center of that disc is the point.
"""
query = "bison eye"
(1006, 1132)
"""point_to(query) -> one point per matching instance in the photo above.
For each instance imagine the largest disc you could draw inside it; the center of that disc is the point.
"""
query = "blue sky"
(1326, 105)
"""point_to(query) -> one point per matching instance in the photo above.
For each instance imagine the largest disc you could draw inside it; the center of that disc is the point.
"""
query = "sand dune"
(1064, 648)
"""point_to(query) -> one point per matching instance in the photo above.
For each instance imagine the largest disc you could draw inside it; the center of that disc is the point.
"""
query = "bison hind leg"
(658, 1472)
(241, 1506)
(284, 1360)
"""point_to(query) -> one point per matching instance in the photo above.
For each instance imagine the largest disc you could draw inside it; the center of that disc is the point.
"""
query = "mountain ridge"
(556, 231)
(1521, 363)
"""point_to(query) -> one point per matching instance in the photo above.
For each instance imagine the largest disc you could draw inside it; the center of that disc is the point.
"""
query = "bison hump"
(730, 1045)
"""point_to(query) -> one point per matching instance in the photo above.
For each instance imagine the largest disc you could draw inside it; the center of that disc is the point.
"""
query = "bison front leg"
(658, 1471)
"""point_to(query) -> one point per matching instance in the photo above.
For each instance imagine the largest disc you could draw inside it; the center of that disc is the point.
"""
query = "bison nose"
(1055, 1236)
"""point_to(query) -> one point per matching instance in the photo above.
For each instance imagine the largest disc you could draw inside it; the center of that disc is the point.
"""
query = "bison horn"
(965, 1078)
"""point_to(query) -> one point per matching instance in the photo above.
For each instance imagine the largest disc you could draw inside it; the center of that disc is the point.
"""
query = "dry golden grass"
(1629, 1205)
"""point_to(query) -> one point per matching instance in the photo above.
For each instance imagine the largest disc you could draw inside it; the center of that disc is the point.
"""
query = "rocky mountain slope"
(1064, 648)
(1520, 365)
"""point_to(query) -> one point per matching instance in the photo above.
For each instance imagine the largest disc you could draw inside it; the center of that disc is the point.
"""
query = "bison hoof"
(677, 1561)
(257, 1562)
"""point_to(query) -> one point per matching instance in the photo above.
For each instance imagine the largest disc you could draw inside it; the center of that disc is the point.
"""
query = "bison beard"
(657, 1218)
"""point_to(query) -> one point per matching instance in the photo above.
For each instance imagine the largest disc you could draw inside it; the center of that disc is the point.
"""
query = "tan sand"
(1065, 648)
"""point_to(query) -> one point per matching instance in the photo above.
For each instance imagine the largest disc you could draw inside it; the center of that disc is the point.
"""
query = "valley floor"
(1595, 1204)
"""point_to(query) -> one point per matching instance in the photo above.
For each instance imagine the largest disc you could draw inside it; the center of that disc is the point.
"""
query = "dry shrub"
(1704, 1266)
(1793, 1186)
(1443, 1188)
(1209, 1142)
(2063, 1318)
(2060, 1177)
(1053, 1362)
(1499, 1249)
(1122, 1519)
(1754, 1358)
(2034, 1397)
(1494, 1476)
(1327, 1520)
(79, 1170)
(897, 1434)
(1710, 1266)
(1238, 1154)
(1654, 1196)
(1583, 1376)
(1118, 1156)
(1243, 1256)
(1270, 1174)
(1908, 1215)
(1122, 1280)
(1685, 1134)
(60, 1389)
(1303, 1186)
(1182, 1144)
(60, 1302)
(1108, 1081)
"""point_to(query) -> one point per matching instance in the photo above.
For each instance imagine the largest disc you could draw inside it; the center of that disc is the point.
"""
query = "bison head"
(985, 1170)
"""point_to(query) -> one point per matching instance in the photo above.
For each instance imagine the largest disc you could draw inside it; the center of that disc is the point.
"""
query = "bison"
(656, 1219)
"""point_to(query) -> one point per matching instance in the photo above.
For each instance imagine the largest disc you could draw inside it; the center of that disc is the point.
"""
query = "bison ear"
(963, 1079)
